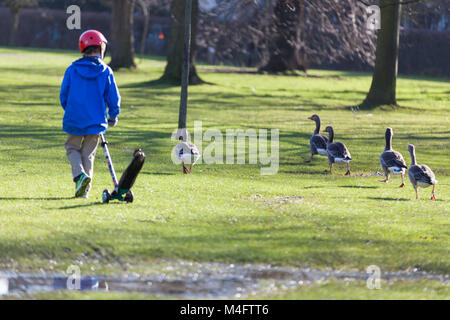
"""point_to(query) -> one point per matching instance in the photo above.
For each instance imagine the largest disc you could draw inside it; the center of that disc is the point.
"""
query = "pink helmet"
(91, 38)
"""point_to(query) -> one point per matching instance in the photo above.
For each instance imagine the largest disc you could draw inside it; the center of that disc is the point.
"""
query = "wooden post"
(182, 131)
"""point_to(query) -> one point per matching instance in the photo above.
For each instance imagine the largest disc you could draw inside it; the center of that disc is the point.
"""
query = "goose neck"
(331, 136)
(388, 141)
(413, 157)
(317, 131)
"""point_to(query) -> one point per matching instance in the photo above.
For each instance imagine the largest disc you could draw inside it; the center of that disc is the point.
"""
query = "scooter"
(122, 189)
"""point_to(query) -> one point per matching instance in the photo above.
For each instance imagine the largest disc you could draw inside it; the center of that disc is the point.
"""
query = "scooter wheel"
(129, 197)
(106, 196)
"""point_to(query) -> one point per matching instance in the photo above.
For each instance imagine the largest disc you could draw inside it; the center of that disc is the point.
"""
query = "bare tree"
(284, 46)
(173, 70)
(430, 15)
(325, 32)
(334, 31)
(145, 9)
(122, 47)
(14, 7)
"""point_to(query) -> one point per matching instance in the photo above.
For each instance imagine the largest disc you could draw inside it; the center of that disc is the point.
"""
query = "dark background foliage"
(333, 36)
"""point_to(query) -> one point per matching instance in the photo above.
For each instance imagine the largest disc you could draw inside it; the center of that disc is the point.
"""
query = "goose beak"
(310, 118)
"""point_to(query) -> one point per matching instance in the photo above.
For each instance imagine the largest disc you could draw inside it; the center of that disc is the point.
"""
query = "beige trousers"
(81, 153)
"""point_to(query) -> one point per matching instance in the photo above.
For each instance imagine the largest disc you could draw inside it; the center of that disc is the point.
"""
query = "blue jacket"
(87, 90)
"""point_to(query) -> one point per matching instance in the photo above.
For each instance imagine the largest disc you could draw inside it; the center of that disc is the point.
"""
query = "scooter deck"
(130, 174)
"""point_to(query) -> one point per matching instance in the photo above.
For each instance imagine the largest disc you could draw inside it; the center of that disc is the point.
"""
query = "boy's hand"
(112, 122)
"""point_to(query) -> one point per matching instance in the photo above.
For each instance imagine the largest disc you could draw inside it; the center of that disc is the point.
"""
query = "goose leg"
(432, 193)
(417, 192)
(190, 168)
(348, 169)
(185, 170)
(403, 181)
(386, 174)
(310, 158)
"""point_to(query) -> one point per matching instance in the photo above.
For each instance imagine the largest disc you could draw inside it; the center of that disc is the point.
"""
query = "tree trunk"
(382, 90)
(174, 65)
(122, 48)
(14, 26)
(144, 7)
(285, 41)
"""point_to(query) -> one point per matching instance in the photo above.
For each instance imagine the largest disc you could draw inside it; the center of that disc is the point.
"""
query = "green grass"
(354, 290)
(213, 214)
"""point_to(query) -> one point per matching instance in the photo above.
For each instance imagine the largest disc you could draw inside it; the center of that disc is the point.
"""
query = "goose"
(187, 153)
(392, 160)
(318, 142)
(420, 175)
(337, 151)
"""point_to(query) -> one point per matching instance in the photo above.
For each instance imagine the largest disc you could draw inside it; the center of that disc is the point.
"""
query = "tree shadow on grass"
(314, 187)
(388, 199)
(37, 198)
(403, 199)
(255, 71)
(359, 187)
(84, 205)
(157, 83)
(158, 173)
(308, 172)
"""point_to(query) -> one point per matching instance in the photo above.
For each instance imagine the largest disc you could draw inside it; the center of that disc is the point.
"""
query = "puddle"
(192, 280)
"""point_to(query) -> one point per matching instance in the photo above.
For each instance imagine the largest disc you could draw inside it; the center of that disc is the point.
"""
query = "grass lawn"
(227, 213)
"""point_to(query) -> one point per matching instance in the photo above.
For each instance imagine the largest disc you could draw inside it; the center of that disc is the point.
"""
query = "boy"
(88, 93)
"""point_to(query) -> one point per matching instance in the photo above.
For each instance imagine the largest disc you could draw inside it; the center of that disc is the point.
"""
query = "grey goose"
(318, 142)
(420, 175)
(391, 160)
(337, 151)
(186, 153)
